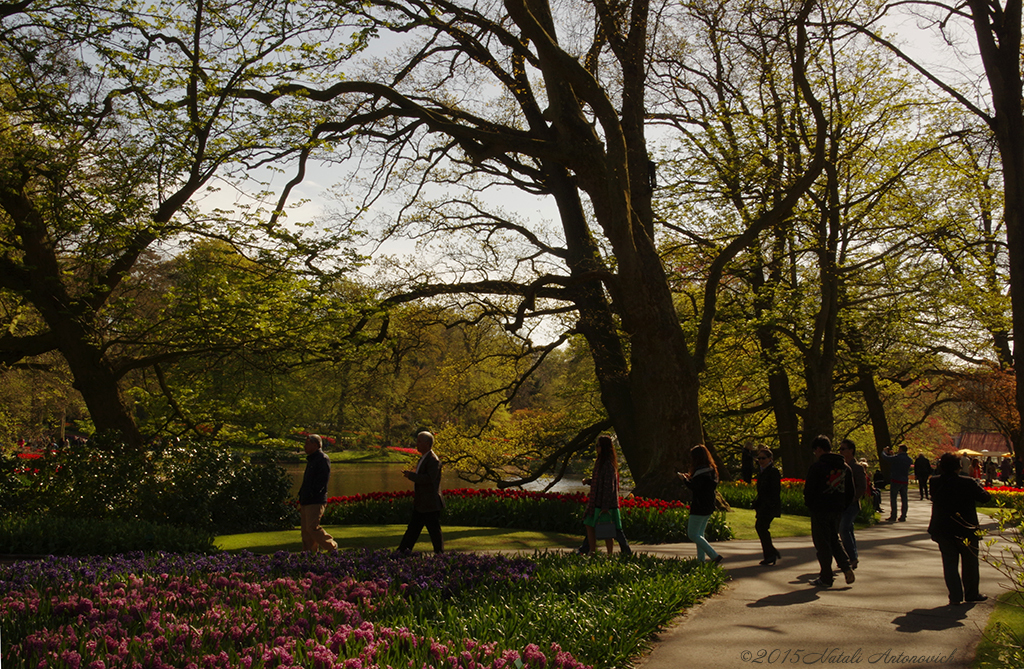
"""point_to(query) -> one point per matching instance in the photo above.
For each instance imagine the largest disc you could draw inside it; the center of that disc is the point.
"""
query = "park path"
(896, 614)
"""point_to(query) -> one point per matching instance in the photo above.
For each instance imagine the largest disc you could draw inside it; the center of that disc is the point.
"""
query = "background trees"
(727, 222)
(114, 120)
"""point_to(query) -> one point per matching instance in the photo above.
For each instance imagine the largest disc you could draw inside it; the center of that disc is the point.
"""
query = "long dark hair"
(606, 450)
(700, 458)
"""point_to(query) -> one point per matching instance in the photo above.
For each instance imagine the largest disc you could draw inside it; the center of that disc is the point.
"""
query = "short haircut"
(426, 437)
(822, 442)
(764, 450)
(315, 439)
(949, 463)
(848, 443)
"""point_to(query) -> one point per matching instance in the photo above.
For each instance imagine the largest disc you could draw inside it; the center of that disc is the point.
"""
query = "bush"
(742, 495)
(649, 521)
(38, 535)
(191, 484)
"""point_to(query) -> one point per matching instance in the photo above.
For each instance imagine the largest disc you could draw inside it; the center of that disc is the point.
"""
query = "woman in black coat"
(767, 504)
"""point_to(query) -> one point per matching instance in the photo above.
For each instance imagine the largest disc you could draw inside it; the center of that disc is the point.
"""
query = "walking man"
(899, 477)
(954, 527)
(922, 472)
(828, 491)
(427, 500)
(860, 490)
(313, 497)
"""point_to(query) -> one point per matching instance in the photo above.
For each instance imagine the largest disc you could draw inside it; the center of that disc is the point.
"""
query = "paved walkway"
(895, 614)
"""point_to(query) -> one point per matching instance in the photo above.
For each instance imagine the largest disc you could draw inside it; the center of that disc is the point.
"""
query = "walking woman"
(767, 505)
(604, 493)
(702, 481)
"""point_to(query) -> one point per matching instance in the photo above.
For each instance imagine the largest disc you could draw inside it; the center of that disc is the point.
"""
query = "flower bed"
(356, 609)
(646, 520)
(741, 495)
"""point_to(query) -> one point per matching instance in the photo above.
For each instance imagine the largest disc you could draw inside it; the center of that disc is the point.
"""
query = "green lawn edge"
(464, 538)
(1005, 625)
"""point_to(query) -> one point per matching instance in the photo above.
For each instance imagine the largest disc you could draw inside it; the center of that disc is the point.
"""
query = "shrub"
(742, 495)
(190, 484)
(650, 521)
(38, 535)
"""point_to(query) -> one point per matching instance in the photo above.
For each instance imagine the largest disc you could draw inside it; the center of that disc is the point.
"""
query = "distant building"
(989, 443)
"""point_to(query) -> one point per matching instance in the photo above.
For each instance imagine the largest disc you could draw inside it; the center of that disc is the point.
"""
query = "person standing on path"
(954, 527)
(427, 502)
(313, 497)
(899, 478)
(767, 505)
(922, 472)
(702, 481)
(828, 491)
(860, 490)
(604, 494)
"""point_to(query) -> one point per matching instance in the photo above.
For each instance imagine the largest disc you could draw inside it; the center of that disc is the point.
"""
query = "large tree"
(114, 120)
(550, 99)
(996, 28)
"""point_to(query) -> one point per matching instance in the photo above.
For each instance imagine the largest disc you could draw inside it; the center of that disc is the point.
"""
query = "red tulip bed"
(644, 520)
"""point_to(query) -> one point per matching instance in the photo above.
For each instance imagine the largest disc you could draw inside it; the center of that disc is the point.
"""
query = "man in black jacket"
(313, 497)
(828, 490)
(954, 527)
(426, 495)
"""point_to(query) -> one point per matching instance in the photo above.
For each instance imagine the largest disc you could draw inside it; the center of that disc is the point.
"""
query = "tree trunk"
(999, 41)
(71, 322)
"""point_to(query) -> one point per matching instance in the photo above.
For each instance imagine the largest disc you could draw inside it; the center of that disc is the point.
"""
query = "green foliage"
(53, 535)
(1003, 642)
(190, 484)
(742, 495)
(577, 602)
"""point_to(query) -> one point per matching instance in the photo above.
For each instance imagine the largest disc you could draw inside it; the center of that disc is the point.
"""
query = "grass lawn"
(1005, 625)
(474, 538)
(742, 523)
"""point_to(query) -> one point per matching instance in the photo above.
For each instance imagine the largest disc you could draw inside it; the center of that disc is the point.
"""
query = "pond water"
(360, 479)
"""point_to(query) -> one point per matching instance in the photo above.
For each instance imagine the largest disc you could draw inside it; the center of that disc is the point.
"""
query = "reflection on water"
(360, 479)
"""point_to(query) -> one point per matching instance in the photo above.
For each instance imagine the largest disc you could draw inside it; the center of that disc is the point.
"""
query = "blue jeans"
(846, 529)
(695, 527)
(899, 489)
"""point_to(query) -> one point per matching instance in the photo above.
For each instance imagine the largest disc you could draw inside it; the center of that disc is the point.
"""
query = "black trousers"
(763, 527)
(960, 567)
(432, 521)
(825, 536)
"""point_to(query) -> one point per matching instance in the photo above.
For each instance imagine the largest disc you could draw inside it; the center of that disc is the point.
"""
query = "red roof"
(984, 441)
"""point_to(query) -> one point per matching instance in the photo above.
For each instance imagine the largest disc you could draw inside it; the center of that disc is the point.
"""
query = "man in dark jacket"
(313, 497)
(899, 477)
(922, 472)
(767, 505)
(828, 490)
(954, 527)
(426, 496)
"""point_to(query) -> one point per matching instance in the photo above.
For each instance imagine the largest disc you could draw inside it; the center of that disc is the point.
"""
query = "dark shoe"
(818, 583)
(853, 564)
(891, 519)
(955, 602)
(717, 559)
(903, 519)
(768, 563)
(850, 576)
(976, 598)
